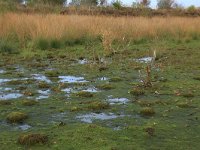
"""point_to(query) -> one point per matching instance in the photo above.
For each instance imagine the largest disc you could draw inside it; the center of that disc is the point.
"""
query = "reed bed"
(53, 26)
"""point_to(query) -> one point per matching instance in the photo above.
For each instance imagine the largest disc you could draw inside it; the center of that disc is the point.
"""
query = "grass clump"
(43, 85)
(16, 117)
(84, 94)
(98, 105)
(103, 68)
(15, 82)
(29, 102)
(147, 111)
(3, 102)
(197, 78)
(106, 86)
(52, 73)
(55, 44)
(148, 103)
(8, 47)
(150, 131)
(188, 95)
(42, 44)
(137, 91)
(29, 81)
(73, 42)
(28, 93)
(115, 79)
(32, 139)
(183, 104)
(73, 109)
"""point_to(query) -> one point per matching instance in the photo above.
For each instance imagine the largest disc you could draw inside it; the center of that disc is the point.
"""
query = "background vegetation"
(23, 28)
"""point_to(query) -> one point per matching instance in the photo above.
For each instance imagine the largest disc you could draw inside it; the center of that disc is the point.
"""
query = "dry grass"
(53, 26)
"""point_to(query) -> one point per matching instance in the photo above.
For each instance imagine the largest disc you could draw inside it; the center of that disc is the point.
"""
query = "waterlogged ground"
(83, 102)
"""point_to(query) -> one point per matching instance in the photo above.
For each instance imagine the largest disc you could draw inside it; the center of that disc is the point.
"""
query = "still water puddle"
(41, 77)
(5, 89)
(2, 71)
(20, 69)
(103, 78)
(58, 117)
(118, 100)
(67, 90)
(44, 92)
(89, 118)
(71, 79)
(24, 127)
(10, 96)
(92, 90)
(42, 97)
(15, 127)
(83, 61)
(144, 60)
(4, 80)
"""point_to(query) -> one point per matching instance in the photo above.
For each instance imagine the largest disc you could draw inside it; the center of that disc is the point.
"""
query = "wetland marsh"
(72, 88)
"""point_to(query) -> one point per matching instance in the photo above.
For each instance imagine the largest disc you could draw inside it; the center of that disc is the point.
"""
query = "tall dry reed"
(73, 26)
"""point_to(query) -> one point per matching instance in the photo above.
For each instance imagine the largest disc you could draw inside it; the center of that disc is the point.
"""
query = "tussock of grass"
(29, 93)
(4, 102)
(16, 117)
(115, 79)
(183, 105)
(84, 94)
(188, 95)
(52, 73)
(42, 44)
(8, 47)
(15, 82)
(137, 91)
(29, 102)
(148, 103)
(147, 111)
(32, 139)
(56, 44)
(43, 85)
(197, 78)
(98, 105)
(106, 86)
(74, 109)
